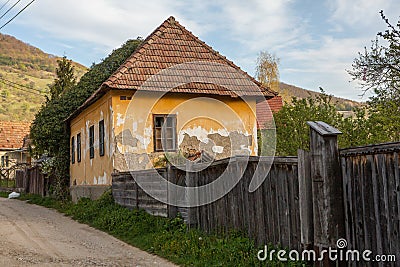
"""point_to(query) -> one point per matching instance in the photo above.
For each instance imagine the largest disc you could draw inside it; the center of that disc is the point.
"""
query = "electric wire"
(17, 14)
(15, 86)
(4, 4)
(8, 10)
(20, 85)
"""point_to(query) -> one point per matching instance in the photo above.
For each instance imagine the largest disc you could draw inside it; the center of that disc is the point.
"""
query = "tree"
(65, 78)
(292, 131)
(378, 68)
(267, 72)
(49, 133)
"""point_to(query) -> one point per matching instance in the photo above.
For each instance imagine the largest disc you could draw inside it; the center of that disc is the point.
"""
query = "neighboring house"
(13, 145)
(265, 110)
(110, 134)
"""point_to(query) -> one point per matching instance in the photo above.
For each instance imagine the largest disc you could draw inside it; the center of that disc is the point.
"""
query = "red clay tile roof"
(168, 46)
(263, 110)
(12, 134)
(171, 44)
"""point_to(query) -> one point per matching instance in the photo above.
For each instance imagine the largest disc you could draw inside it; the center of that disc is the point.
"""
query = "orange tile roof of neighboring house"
(263, 110)
(12, 134)
(168, 46)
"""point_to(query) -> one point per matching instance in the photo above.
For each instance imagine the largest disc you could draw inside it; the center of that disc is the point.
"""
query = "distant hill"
(25, 73)
(288, 91)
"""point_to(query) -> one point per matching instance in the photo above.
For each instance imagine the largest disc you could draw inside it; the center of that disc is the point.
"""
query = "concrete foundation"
(88, 191)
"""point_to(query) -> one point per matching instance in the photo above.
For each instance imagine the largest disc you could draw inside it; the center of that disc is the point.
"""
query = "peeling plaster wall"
(221, 126)
(95, 171)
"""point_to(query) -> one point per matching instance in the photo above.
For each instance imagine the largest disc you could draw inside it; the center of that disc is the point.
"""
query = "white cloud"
(262, 25)
(328, 56)
(357, 14)
(107, 23)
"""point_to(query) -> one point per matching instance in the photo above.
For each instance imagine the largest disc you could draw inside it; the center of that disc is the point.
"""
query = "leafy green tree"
(65, 78)
(49, 133)
(378, 69)
(292, 131)
(356, 129)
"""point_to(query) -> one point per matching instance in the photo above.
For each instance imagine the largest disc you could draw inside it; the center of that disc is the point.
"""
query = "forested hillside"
(25, 73)
(288, 91)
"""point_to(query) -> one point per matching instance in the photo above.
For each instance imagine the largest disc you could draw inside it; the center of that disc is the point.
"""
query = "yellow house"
(173, 98)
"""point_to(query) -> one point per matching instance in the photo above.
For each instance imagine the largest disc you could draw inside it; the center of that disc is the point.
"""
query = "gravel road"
(31, 235)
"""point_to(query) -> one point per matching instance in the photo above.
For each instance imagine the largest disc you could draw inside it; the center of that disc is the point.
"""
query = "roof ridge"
(172, 21)
(231, 63)
(118, 72)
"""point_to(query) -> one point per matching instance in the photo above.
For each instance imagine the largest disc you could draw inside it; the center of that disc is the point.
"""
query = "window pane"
(158, 133)
(101, 138)
(168, 144)
(170, 121)
(158, 144)
(73, 149)
(159, 121)
(164, 132)
(169, 133)
(91, 141)
(78, 148)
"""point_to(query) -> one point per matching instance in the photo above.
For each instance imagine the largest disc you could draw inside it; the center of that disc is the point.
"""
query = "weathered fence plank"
(372, 199)
(306, 201)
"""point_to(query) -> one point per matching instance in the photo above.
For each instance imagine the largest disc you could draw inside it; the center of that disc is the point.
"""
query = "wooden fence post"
(171, 177)
(305, 199)
(191, 181)
(327, 187)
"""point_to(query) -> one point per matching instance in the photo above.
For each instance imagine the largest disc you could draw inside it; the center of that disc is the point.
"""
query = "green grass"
(4, 194)
(168, 238)
(7, 183)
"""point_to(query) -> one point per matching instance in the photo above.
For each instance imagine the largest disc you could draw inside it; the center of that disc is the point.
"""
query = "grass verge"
(168, 238)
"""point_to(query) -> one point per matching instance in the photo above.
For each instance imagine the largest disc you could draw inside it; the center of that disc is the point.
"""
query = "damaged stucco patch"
(131, 161)
(125, 138)
(120, 119)
(101, 180)
(129, 151)
(218, 145)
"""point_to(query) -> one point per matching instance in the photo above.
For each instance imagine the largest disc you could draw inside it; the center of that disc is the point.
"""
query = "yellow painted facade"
(96, 170)
(221, 125)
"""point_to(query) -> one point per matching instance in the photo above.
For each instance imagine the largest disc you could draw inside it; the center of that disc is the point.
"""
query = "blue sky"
(316, 41)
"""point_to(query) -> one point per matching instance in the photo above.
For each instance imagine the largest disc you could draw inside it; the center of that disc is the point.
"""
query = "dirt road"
(31, 235)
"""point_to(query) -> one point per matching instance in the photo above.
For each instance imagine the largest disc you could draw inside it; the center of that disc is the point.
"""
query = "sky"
(316, 41)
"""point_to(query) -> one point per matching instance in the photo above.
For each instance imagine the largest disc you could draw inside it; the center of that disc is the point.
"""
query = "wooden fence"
(371, 177)
(31, 180)
(305, 202)
(269, 214)
(127, 193)
(10, 176)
